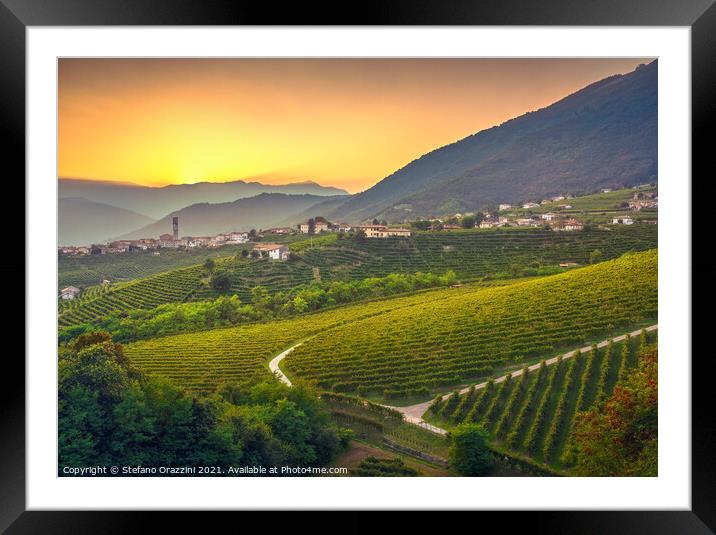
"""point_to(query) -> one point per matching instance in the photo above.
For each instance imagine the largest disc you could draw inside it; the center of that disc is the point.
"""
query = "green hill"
(426, 341)
(474, 333)
(471, 254)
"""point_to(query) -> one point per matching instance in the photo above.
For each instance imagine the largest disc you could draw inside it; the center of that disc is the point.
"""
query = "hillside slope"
(426, 340)
(603, 135)
(83, 222)
(263, 211)
(158, 202)
(470, 254)
(477, 331)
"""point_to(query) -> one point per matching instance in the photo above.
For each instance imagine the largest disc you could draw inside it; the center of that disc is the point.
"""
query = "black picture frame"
(699, 15)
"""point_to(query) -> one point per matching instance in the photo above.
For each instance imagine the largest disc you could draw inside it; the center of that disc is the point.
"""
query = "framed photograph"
(271, 262)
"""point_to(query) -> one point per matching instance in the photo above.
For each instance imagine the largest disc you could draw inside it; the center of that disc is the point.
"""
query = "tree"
(360, 236)
(468, 222)
(255, 254)
(469, 453)
(620, 439)
(311, 226)
(209, 264)
(375, 221)
(244, 253)
(221, 281)
(595, 256)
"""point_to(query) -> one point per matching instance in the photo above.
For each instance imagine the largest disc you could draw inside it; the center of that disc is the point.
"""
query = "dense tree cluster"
(470, 454)
(111, 414)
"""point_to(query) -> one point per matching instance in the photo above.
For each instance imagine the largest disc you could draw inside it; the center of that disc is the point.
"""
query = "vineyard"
(201, 361)
(418, 343)
(470, 254)
(532, 415)
(473, 254)
(416, 350)
(97, 302)
(83, 271)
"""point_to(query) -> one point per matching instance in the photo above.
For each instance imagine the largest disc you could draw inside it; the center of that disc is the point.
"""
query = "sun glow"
(346, 122)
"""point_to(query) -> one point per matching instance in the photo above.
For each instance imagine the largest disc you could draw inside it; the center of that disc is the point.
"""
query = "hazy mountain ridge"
(602, 135)
(203, 219)
(83, 222)
(158, 202)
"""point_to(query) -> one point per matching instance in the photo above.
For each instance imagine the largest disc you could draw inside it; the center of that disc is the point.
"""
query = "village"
(527, 214)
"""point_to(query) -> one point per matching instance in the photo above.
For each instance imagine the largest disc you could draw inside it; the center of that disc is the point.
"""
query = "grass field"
(423, 341)
(532, 415)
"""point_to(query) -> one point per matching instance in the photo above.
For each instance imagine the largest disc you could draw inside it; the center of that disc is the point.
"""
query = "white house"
(275, 251)
(504, 206)
(70, 292)
(549, 216)
(530, 205)
(573, 224)
(238, 237)
(622, 221)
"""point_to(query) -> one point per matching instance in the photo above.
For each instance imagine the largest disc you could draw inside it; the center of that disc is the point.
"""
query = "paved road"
(273, 365)
(414, 413)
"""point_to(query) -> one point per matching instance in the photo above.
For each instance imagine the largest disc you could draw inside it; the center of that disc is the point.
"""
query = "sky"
(339, 122)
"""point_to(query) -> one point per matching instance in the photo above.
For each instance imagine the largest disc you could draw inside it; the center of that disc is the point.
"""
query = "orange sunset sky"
(340, 122)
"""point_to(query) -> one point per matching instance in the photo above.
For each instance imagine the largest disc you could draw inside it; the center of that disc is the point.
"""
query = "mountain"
(83, 222)
(204, 219)
(158, 202)
(604, 135)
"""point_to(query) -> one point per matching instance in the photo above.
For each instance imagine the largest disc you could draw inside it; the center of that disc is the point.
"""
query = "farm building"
(622, 221)
(275, 251)
(573, 224)
(504, 206)
(382, 231)
(70, 292)
(318, 226)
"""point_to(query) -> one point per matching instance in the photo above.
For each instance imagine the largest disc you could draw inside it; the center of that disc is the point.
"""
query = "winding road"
(414, 413)
(273, 365)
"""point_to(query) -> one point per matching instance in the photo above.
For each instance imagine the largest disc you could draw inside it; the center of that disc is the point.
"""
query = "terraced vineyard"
(471, 254)
(475, 253)
(83, 271)
(532, 415)
(201, 361)
(171, 286)
(249, 273)
(473, 333)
